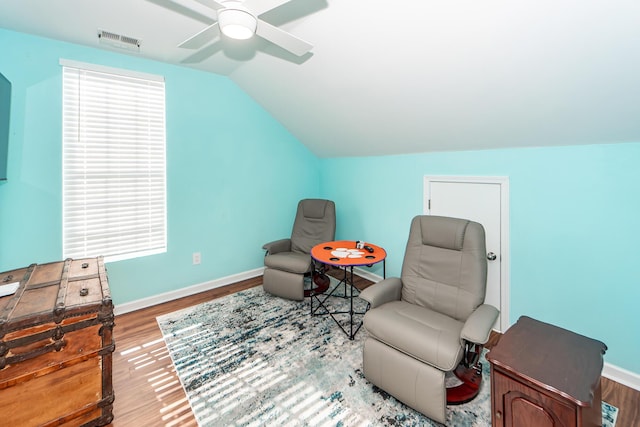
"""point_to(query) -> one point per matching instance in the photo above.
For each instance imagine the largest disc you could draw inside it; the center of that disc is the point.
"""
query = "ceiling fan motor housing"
(236, 21)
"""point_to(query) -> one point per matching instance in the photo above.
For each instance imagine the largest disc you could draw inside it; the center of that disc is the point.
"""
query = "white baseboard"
(612, 372)
(366, 274)
(128, 307)
(622, 376)
(185, 292)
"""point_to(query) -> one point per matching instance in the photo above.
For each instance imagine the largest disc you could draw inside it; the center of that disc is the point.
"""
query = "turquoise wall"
(574, 224)
(229, 169)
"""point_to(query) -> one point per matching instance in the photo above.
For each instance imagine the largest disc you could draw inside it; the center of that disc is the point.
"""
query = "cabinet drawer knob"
(498, 415)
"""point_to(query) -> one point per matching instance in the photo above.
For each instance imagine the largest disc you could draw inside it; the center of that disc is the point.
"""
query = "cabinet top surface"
(53, 291)
(551, 357)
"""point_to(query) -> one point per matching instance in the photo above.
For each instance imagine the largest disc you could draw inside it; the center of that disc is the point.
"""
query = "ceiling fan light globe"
(237, 24)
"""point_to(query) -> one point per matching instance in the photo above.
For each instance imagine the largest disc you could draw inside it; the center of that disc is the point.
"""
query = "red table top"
(343, 253)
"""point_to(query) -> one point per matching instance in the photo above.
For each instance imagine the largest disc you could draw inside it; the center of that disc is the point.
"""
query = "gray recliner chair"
(432, 319)
(287, 261)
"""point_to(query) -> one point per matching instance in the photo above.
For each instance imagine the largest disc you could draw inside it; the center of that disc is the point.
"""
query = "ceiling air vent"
(119, 41)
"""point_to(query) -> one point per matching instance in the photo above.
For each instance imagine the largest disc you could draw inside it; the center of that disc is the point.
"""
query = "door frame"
(503, 182)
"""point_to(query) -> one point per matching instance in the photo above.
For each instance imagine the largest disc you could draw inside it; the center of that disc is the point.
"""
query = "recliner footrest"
(283, 284)
(412, 382)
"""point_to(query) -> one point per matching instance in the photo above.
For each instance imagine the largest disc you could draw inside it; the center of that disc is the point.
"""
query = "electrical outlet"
(196, 258)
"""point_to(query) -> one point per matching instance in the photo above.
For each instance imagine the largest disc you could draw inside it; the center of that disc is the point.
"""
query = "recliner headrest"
(313, 208)
(443, 232)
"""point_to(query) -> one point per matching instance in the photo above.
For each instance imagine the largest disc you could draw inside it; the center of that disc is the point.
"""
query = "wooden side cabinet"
(56, 346)
(545, 376)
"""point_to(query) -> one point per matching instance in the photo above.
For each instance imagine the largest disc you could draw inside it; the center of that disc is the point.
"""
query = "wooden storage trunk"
(56, 345)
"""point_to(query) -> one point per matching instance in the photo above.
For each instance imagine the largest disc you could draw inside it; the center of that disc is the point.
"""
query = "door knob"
(491, 256)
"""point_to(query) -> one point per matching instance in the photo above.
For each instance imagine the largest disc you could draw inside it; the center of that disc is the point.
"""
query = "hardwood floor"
(148, 392)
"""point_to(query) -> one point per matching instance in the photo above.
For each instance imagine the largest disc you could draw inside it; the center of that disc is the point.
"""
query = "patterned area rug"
(254, 359)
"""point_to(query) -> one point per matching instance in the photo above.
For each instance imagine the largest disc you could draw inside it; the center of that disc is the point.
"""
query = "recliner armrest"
(282, 245)
(478, 326)
(382, 292)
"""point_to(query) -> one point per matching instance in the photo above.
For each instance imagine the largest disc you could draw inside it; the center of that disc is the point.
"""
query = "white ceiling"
(402, 76)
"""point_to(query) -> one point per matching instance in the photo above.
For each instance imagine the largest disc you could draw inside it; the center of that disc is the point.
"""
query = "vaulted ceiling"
(402, 76)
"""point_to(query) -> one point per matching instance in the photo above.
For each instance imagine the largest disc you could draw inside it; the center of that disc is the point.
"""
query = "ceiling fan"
(240, 20)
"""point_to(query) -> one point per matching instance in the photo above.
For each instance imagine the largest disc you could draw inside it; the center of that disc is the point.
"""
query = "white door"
(484, 200)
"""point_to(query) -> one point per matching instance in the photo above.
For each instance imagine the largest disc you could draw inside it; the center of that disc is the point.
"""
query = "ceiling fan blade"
(258, 7)
(194, 5)
(200, 55)
(283, 39)
(203, 37)
(212, 4)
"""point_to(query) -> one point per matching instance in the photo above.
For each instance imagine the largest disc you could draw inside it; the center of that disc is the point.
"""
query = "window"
(113, 163)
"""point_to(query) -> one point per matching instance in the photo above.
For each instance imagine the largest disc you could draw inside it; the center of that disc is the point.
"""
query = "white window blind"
(114, 201)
